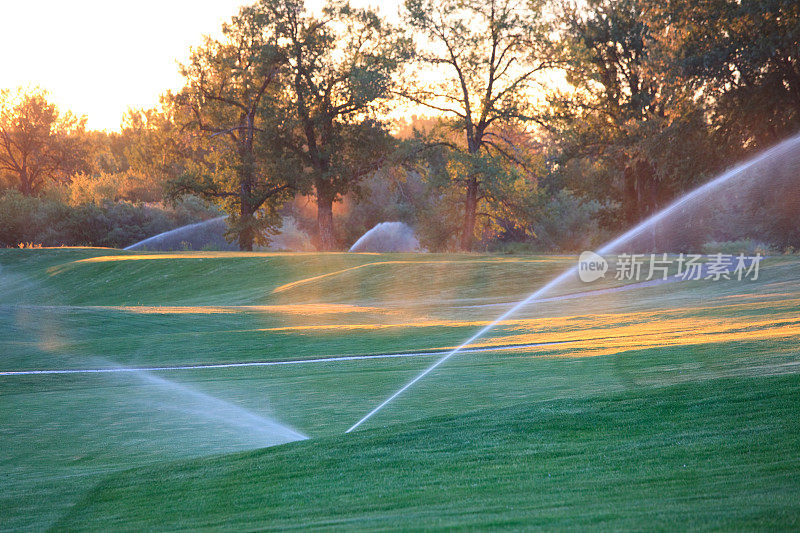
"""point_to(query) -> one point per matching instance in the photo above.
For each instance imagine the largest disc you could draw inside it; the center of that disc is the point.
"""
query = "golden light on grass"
(182, 255)
(306, 281)
(608, 333)
(612, 339)
(291, 309)
(157, 256)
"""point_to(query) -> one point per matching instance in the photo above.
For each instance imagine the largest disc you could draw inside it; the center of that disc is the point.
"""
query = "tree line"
(533, 121)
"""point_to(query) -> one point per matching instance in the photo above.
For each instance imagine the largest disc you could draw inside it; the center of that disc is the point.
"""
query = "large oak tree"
(37, 143)
(630, 131)
(338, 72)
(230, 82)
(481, 63)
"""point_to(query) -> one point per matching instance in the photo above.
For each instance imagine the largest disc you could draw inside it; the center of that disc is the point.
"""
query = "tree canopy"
(530, 119)
(485, 58)
(326, 131)
(229, 84)
(37, 142)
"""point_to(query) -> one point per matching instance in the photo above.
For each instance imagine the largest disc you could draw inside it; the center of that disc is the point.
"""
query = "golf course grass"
(666, 406)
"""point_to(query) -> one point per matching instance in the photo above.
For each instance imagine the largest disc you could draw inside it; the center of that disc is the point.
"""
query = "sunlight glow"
(97, 58)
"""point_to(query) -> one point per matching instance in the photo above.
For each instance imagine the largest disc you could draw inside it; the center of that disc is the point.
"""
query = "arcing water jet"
(206, 232)
(387, 237)
(727, 189)
(202, 405)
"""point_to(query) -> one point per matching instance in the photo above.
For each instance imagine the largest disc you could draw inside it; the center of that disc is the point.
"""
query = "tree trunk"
(25, 184)
(246, 236)
(640, 191)
(630, 205)
(246, 170)
(324, 218)
(470, 208)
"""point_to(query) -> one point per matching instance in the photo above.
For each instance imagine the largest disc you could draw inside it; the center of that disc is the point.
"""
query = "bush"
(512, 247)
(382, 197)
(568, 223)
(50, 221)
(743, 246)
(403, 197)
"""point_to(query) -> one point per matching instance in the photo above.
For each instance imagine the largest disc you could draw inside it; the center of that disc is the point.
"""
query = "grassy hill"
(720, 454)
(592, 430)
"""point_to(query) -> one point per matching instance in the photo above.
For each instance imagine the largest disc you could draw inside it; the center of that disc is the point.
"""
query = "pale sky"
(99, 57)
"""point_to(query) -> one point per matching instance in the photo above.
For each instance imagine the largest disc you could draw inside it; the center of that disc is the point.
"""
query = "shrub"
(742, 246)
(568, 223)
(50, 221)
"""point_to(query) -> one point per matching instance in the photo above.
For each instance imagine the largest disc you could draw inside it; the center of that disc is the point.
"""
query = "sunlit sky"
(100, 57)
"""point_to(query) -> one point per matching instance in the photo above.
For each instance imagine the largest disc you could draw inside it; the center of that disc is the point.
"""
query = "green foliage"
(108, 187)
(568, 223)
(284, 103)
(625, 103)
(155, 147)
(325, 131)
(229, 82)
(630, 131)
(37, 143)
(50, 222)
(743, 55)
(486, 57)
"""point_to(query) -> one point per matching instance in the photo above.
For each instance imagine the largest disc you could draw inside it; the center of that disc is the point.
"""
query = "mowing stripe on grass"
(271, 363)
(332, 359)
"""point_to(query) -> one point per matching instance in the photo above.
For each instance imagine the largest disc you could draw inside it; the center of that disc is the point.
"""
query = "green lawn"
(715, 454)
(670, 406)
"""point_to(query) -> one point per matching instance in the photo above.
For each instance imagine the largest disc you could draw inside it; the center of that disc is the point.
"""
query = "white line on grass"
(272, 363)
(333, 359)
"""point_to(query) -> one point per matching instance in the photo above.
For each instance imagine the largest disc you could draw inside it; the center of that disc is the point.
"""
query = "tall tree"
(744, 55)
(482, 59)
(158, 150)
(628, 120)
(337, 74)
(230, 82)
(37, 143)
